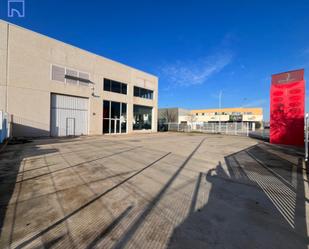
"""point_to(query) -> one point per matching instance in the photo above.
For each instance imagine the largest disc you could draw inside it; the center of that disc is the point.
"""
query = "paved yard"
(152, 191)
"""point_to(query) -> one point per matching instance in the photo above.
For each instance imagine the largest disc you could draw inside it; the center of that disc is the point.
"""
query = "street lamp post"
(242, 118)
(220, 97)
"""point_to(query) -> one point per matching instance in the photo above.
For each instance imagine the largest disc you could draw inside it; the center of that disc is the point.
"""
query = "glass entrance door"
(114, 117)
(115, 126)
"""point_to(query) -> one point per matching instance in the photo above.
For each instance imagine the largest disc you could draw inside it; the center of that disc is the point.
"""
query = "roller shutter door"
(69, 115)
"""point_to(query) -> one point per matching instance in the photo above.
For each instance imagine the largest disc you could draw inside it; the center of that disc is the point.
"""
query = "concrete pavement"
(166, 190)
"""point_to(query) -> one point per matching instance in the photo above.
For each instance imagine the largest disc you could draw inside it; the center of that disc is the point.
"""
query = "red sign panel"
(287, 108)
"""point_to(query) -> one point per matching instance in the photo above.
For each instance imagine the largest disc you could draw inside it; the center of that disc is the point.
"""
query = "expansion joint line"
(38, 235)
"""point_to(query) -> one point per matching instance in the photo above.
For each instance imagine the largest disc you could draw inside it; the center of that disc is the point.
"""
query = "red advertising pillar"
(287, 108)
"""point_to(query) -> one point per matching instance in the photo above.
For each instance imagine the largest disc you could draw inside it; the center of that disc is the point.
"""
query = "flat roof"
(255, 110)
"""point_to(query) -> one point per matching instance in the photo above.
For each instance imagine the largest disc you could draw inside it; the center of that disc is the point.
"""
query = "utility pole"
(242, 116)
(220, 97)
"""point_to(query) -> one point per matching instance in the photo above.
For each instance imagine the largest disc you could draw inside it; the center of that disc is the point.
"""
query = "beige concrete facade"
(26, 59)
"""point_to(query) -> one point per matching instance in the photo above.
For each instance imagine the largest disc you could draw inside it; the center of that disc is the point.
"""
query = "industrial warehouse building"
(50, 88)
(239, 114)
(224, 115)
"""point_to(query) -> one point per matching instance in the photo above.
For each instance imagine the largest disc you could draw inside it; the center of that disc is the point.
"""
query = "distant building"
(173, 115)
(229, 115)
(224, 115)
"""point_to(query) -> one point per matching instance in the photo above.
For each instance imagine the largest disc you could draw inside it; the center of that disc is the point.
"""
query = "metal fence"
(236, 128)
(4, 126)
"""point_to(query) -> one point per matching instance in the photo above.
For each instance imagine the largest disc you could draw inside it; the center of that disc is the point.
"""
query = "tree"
(191, 118)
(168, 115)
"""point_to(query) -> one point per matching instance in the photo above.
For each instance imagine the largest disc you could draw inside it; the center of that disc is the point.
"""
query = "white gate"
(69, 115)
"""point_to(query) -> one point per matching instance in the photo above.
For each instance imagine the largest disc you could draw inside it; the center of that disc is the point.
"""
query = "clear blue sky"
(197, 48)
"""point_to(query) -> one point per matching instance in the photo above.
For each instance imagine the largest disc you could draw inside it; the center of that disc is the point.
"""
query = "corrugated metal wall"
(69, 115)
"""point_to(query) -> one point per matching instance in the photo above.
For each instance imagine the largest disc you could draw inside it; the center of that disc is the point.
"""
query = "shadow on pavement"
(109, 228)
(83, 206)
(257, 200)
(11, 163)
(252, 204)
(129, 234)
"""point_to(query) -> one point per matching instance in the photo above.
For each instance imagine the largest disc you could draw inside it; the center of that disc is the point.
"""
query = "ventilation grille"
(85, 78)
(72, 73)
(58, 73)
(70, 76)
